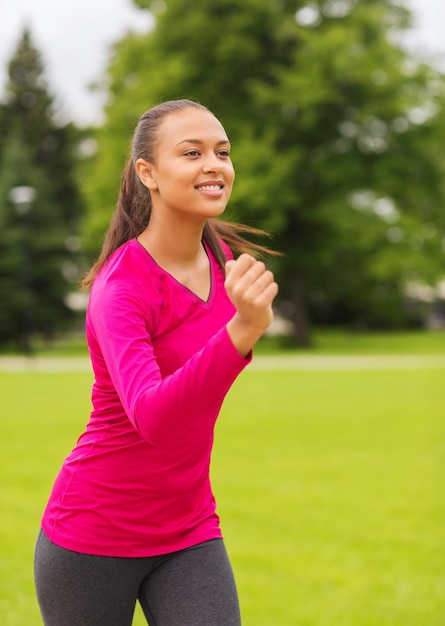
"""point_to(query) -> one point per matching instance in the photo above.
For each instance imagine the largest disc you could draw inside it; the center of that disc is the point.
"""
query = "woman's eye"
(192, 153)
(224, 153)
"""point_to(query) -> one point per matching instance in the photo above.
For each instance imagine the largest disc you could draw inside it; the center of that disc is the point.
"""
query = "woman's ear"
(147, 174)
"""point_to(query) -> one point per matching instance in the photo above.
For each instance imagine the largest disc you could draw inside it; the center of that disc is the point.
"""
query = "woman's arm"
(160, 408)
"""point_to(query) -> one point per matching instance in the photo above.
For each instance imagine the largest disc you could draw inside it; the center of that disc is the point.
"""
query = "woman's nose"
(212, 164)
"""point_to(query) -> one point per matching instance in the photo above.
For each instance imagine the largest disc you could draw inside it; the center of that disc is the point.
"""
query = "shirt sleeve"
(159, 408)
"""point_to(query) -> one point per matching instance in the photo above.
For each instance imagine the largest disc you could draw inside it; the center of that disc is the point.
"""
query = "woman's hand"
(252, 288)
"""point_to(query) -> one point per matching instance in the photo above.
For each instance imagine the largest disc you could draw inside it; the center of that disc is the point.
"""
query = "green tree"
(336, 140)
(39, 239)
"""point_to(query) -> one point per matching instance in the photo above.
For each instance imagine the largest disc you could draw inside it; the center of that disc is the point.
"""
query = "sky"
(75, 37)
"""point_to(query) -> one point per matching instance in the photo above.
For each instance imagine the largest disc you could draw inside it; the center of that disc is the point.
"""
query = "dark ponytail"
(129, 219)
(133, 208)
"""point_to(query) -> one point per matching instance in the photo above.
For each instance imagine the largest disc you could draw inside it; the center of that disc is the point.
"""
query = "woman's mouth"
(209, 187)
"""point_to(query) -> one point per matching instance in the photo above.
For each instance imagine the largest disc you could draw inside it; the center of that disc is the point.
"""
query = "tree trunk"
(300, 318)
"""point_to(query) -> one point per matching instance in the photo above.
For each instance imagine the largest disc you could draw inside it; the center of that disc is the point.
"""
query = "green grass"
(329, 484)
(330, 488)
(340, 341)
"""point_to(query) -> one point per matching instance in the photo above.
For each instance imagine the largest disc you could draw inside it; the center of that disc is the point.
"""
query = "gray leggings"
(192, 587)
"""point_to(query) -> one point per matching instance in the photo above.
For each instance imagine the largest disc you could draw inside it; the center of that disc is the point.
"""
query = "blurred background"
(335, 109)
(329, 470)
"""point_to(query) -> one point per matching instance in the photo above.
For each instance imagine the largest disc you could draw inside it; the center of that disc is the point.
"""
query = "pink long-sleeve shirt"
(137, 482)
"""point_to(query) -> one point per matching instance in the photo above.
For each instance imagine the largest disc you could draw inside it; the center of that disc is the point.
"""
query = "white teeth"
(210, 187)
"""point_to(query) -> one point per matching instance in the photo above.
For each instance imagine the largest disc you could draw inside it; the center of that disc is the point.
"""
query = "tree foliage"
(39, 242)
(336, 135)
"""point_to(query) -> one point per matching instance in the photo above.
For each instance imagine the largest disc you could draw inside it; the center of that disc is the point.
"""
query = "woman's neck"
(178, 246)
(182, 255)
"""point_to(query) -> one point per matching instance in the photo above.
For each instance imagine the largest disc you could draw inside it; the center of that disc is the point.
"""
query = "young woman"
(171, 323)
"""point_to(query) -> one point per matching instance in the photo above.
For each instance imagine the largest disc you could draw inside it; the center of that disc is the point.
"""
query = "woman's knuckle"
(269, 275)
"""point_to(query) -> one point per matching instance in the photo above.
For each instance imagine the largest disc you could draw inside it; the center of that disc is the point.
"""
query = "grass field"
(329, 482)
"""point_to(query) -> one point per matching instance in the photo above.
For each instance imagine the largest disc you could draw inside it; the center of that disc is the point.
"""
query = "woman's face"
(192, 173)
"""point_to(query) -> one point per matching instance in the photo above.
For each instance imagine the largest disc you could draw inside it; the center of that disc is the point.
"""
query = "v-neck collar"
(178, 282)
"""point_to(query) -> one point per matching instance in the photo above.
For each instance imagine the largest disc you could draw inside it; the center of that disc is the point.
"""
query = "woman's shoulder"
(126, 285)
(127, 262)
(129, 271)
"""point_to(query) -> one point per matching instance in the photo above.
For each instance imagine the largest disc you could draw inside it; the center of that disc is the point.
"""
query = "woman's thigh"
(193, 587)
(76, 589)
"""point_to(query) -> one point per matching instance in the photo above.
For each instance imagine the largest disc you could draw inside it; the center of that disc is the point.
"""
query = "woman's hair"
(133, 208)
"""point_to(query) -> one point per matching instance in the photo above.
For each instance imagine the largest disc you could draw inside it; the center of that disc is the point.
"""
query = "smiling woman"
(192, 176)
(163, 148)
(171, 322)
